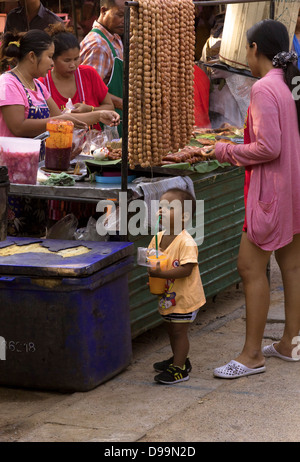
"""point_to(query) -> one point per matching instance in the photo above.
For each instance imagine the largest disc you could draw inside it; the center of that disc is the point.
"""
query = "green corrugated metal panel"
(223, 219)
(223, 197)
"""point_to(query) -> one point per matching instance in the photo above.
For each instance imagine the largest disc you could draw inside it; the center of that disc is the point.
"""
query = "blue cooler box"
(64, 320)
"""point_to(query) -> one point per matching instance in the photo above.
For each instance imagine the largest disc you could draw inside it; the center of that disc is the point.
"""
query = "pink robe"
(273, 203)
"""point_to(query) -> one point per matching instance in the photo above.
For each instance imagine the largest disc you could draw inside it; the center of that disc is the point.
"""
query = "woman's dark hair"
(272, 38)
(107, 3)
(15, 46)
(63, 38)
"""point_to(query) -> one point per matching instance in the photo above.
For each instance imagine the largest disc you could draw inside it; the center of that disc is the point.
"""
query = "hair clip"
(15, 43)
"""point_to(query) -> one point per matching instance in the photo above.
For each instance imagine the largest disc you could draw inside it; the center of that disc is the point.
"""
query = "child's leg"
(178, 335)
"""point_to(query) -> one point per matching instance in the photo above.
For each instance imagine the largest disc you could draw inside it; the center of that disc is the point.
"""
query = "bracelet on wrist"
(92, 110)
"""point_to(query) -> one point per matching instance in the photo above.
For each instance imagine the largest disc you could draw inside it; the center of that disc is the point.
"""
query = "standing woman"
(67, 79)
(272, 187)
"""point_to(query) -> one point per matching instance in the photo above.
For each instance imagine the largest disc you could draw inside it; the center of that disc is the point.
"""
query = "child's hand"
(155, 272)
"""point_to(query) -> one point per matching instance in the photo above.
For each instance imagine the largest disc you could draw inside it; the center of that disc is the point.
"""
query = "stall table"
(222, 192)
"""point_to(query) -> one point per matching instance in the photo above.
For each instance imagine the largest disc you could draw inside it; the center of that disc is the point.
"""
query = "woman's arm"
(267, 132)
(110, 118)
(117, 101)
(106, 105)
(87, 118)
(14, 117)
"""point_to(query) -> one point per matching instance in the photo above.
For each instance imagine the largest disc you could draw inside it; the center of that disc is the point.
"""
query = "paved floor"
(131, 407)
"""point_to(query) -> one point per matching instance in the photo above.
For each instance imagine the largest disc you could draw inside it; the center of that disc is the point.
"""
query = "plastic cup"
(59, 144)
(157, 285)
(21, 157)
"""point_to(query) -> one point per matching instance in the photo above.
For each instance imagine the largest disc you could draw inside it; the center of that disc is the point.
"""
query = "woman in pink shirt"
(25, 103)
(272, 158)
(26, 106)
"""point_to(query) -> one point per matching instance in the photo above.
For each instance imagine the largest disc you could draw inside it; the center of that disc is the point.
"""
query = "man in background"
(102, 48)
(31, 14)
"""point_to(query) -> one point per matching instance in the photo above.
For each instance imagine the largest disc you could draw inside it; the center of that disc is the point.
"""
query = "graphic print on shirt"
(168, 298)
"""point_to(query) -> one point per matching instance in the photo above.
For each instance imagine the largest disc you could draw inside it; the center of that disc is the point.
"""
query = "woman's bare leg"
(288, 259)
(252, 266)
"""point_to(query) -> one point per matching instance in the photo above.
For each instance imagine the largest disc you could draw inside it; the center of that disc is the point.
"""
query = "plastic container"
(21, 157)
(157, 285)
(113, 179)
(59, 145)
(4, 185)
(150, 257)
(112, 174)
(65, 320)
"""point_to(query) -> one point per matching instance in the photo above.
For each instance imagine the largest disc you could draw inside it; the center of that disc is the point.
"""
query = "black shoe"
(163, 365)
(173, 374)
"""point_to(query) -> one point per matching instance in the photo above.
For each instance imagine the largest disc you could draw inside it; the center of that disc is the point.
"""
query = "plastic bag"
(93, 140)
(109, 223)
(111, 133)
(69, 107)
(89, 233)
(79, 136)
(113, 138)
(64, 228)
(143, 254)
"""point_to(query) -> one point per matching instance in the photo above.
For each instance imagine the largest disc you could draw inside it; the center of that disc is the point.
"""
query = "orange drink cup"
(157, 285)
(59, 144)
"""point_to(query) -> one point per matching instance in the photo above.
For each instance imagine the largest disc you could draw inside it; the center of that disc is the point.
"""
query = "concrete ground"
(131, 407)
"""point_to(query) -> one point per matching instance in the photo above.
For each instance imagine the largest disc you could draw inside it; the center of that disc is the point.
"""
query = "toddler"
(184, 294)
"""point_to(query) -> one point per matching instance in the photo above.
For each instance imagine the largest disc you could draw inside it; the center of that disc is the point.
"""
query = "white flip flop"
(269, 351)
(234, 370)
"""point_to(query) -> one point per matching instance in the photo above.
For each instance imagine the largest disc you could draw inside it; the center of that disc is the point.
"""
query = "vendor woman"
(25, 103)
(25, 109)
(69, 80)
(88, 93)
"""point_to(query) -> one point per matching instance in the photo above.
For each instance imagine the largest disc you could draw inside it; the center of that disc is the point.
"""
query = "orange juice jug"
(59, 144)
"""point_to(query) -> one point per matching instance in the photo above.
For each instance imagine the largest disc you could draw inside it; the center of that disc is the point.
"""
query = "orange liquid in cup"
(157, 285)
(59, 144)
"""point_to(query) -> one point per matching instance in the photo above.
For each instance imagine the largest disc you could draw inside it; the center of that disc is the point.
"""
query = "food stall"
(161, 147)
(222, 192)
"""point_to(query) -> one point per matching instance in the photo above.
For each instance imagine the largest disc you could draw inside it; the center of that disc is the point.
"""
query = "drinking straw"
(156, 231)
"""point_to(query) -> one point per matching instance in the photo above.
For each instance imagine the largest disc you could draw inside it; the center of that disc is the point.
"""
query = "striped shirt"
(95, 51)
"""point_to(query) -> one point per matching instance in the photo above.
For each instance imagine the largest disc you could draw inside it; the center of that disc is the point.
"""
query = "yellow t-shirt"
(182, 295)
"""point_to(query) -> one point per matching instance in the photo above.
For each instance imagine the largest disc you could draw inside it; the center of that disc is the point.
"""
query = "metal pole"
(272, 9)
(74, 18)
(124, 165)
